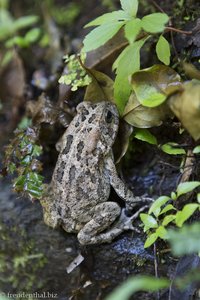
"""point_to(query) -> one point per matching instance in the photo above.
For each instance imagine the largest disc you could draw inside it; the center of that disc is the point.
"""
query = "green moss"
(20, 265)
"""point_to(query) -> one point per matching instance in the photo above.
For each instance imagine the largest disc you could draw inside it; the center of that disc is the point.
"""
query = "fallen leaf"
(144, 117)
(101, 87)
(153, 85)
(191, 71)
(186, 107)
(43, 111)
(12, 81)
(106, 54)
(122, 141)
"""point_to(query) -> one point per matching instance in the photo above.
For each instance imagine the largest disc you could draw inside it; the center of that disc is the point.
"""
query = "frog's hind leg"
(103, 216)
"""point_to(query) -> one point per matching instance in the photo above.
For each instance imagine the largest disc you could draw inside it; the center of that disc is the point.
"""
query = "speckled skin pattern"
(77, 197)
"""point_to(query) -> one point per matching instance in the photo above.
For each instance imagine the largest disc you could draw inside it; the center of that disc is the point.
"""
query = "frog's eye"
(109, 117)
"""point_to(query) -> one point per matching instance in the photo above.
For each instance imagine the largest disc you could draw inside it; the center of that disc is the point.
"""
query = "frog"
(77, 198)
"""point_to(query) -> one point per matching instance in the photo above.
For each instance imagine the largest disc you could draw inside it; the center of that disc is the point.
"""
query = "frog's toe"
(127, 222)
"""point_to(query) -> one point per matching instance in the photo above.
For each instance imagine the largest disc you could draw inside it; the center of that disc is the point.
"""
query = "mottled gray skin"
(77, 197)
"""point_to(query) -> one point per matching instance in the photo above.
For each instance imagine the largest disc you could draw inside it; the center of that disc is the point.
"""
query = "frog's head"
(101, 117)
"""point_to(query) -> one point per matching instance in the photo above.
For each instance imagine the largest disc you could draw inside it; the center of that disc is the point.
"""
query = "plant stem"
(178, 30)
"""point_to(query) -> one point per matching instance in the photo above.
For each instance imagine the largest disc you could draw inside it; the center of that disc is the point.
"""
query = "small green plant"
(10, 28)
(64, 15)
(76, 75)
(21, 157)
(163, 212)
(24, 41)
(137, 31)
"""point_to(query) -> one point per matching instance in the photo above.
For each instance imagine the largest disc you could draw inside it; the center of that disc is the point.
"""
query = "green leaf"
(37, 150)
(6, 24)
(168, 219)
(150, 240)
(34, 177)
(155, 207)
(17, 41)
(163, 50)
(6, 58)
(185, 213)
(155, 22)
(198, 198)
(196, 150)
(153, 85)
(162, 232)
(122, 90)
(130, 6)
(132, 29)
(33, 190)
(185, 240)
(167, 208)
(135, 284)
(100, 35)
(32, 35)
(119, 15)
(148, 221)
(128, 64)
(141, 116)
(145, 135)
(26, 160)
(173, 196)
(186, 187)
(172, 148)
(24, 123)
(148, 94)
(20, 181)
(12, 168)
(185, 105)
(26, 21)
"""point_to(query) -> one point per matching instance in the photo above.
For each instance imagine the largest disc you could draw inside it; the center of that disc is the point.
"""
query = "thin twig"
(178, 30)
(156, 266)
(157, 6)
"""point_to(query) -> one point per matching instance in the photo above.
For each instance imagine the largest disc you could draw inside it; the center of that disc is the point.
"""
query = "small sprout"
(172, 149)
(76, 76)
(162, 213)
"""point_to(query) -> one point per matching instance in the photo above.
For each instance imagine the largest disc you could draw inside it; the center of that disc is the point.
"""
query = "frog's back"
(80, 180)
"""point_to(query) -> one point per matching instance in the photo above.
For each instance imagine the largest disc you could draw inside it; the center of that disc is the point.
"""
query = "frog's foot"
(126, 222)
(132, 203)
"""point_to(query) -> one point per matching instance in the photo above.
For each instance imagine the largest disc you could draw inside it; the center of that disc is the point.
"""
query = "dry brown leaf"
(106, 54)
(186, 106)
(122, 141)
(12, 82)
(43, 111)
(191, 71)
(101, 87)
(144, 117)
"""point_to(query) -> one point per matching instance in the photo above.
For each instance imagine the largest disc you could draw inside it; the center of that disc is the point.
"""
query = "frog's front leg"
(104, 215)
(50, 214)
(120, 187)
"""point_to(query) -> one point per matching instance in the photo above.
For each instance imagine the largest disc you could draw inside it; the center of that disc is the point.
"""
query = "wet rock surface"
(34, 257)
